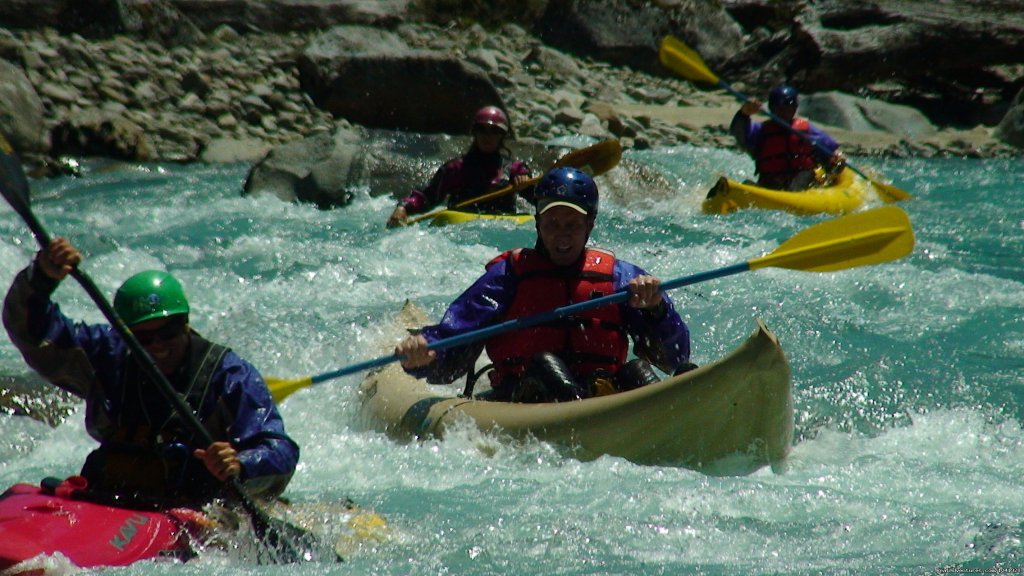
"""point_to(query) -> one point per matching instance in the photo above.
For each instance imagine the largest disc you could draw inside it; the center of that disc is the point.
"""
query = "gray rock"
(1011, 128)
(97, 133)
(931, 55)
(414, 90)
(861, 115)
(568, 116)
(628, 33)
(486, 59)
(553, 62)
(21, 111)
(319, 169)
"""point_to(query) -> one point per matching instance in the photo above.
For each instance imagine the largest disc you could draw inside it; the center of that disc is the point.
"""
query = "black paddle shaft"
(15, 191)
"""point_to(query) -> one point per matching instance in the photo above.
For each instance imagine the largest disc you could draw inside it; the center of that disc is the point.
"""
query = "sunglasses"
(487, 129)
(164, 333)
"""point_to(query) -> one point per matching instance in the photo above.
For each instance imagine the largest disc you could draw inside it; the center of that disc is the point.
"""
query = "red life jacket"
(589, 341)
(782, 154)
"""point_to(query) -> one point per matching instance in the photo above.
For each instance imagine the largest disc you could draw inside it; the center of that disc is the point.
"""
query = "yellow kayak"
(846, 194)
(446, 217)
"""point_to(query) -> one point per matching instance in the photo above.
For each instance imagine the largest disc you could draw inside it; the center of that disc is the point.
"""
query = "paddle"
(685, 61)
(282, 542)
(599, 158)
(870, 237)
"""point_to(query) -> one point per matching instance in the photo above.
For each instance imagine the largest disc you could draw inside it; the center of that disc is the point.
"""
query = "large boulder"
(629, 33)
(862, 115)
(1011, 128)
(328, 169)
(292, 15)
(521, 12)
(170, 20)
(94, 18)
(349, 67)
(323, 169)
(916, 52)
(21, 110)
(99, 133)
(229, 150)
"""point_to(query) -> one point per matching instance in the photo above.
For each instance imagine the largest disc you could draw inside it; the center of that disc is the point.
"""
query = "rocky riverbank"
(228, 95)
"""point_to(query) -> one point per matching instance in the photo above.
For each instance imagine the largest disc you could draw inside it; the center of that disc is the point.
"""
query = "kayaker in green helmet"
(486, 167)
(784, 160)
(146, 451)
(577, 357)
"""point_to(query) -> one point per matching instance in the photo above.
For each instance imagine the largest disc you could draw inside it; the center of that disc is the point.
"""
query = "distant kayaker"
(487, 166)
(784, 160)
(145, 449)
(577, 357)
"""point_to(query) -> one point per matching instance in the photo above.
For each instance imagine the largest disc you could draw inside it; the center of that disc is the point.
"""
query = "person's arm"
(658, 332)
(746, 132)
(519, 174)
(826, 149)
(265, 454)
(437, 190)
(67, 354)
(481, 305)
(422, 200)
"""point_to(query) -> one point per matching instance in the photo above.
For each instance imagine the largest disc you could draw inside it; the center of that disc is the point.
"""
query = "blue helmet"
(569, 187)
(784, 95)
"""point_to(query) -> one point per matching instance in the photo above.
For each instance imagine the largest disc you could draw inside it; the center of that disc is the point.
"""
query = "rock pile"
(210, 86)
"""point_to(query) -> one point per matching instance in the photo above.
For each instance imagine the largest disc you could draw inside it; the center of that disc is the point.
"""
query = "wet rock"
(858, 114)
(100, 134)
(321, 169)
(417, 90)
(1011, 128)
(628, 33)
(21, 110)
(227, 150)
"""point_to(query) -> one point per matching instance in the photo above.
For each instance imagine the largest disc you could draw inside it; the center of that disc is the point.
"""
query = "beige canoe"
(730, 417)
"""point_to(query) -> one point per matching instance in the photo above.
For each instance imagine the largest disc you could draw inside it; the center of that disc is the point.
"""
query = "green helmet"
(150, 294)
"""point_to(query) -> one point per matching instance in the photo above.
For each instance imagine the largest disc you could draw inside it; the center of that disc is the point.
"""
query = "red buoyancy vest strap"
(783, 154)
(591, 340)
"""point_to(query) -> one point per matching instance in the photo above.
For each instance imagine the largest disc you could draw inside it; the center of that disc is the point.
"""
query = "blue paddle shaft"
(544, 318)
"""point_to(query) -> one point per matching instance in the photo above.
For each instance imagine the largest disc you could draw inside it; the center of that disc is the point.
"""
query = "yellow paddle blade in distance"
(281, 389)
(684, 61)
(596, 159)
(889, 193)
(860, 239)
(886, 192)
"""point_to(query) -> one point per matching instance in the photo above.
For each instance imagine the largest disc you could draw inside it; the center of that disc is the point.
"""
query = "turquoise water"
(908, 377)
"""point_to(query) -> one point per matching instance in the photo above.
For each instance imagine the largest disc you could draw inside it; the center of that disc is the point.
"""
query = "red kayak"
(58, 518)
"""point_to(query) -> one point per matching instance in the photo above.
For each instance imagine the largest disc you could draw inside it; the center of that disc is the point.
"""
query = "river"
(908, 376)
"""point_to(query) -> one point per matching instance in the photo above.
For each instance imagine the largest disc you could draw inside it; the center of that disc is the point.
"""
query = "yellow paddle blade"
(597, 159)
(860, 239)
(281, 389)
(684, 61)
(889, 193)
